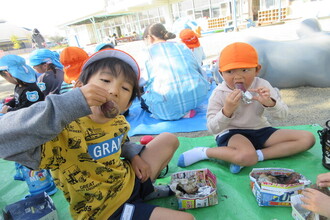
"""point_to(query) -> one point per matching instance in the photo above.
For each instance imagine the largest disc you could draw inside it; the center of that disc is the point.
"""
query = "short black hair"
(116, 67)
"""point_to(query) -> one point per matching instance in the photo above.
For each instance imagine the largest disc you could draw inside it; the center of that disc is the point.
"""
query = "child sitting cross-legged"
(243, 134)
(83, 145)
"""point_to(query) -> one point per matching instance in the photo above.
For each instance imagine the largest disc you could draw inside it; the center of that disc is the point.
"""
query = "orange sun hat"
(238, 55)
(72, 59)
(190, 38)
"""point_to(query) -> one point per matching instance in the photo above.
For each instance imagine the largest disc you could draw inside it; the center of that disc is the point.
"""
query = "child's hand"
(141, 168)
(232, 102)
(323, 180)
(4, 109)
(95, 95)
(316, 201)
(263, 96)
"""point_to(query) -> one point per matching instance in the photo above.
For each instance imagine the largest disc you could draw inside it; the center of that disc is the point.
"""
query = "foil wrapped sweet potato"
(110, 109)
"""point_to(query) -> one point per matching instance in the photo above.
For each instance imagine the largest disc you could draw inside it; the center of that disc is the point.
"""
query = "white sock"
(260, 155)
(192, 156)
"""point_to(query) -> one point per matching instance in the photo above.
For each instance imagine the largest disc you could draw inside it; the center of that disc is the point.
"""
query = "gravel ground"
(307, 105)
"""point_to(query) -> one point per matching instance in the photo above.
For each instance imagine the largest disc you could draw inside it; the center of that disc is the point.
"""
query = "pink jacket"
(246, 116)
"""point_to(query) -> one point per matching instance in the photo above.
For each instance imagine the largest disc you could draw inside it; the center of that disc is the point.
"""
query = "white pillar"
(234, 14)
(168, 15)
(279, 10)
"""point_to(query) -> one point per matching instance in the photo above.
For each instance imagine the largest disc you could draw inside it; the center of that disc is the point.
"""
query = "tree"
(16, 42)
(57, 39)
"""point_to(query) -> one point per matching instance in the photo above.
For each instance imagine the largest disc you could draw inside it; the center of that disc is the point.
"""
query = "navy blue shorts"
(257, 137)
(135, 206)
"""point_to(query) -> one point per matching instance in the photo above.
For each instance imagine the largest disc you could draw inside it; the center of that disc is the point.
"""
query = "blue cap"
(17, 67)
(56, 54)
(101, 45)
(40, 56)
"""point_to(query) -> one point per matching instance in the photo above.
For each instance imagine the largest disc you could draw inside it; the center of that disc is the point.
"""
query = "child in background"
(243, 134)
(83, 147)
(175, 84)
(190, 39)
(26, 92)
(315, 200)
(72, 59)
(15, 71)
(45, 62)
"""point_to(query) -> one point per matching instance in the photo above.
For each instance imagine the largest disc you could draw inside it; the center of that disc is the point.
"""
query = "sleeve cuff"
(129, 150)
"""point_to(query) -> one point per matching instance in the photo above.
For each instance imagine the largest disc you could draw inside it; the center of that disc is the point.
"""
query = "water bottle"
(38, 181)
(325, 142)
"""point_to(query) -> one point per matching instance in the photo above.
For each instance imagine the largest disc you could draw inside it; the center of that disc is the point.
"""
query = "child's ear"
(258, 69)
(78, 84)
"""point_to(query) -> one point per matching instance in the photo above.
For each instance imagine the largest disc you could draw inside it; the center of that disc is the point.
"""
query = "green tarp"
(236, 200)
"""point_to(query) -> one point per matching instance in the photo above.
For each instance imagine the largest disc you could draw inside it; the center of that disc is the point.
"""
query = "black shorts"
(134, 206)
(257, 137)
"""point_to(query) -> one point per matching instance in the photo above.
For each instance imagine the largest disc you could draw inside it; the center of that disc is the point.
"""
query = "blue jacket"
(175, 81)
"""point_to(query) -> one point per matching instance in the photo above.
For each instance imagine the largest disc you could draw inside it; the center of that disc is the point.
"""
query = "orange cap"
(190, 38)
(238, 55)
(72, 59)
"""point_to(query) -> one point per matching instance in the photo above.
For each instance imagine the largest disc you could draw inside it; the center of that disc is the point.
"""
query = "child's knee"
(309, 140)
(171, 139)
(246, 158)
(306, 140)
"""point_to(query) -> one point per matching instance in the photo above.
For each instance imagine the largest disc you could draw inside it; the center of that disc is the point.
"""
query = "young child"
(26, 92)
(45, 62)
(243, 134)
(83, 147)
(175, 85)
(72, 59)
(190, 39)
(315, 200)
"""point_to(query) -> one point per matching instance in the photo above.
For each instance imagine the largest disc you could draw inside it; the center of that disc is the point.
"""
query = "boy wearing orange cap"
(190, 39)
(243, 134)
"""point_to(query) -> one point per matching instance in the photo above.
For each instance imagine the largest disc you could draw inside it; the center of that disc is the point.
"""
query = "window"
(223, 9)
(215, 12)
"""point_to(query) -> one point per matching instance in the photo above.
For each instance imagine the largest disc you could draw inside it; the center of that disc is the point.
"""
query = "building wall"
(202, 11)
(198, 10)
(82, 35)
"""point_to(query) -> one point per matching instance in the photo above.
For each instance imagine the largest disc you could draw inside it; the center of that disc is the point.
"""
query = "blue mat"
(142, 123)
